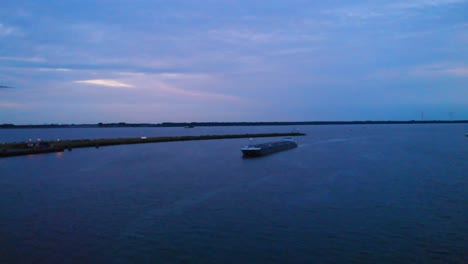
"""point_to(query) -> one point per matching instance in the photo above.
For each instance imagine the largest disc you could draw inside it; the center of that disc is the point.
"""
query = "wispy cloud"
(5, 87)
(241, 36)
(54, 69)
(6, 30)
(426, 71)
(182, 85)
(10, 105)
(441, 70)
(387, 11)
(106, 83)
(461, 71)
(425, 3)
(23, 59)
(168, 76)
(197, 94)
(462, 34)
(293, 51)
(354, 13)
(183, 76)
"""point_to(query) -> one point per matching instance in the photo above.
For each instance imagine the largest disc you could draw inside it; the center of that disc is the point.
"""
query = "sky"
(151, 61)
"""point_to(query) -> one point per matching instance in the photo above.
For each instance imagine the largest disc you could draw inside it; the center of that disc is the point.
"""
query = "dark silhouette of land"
(217, 124)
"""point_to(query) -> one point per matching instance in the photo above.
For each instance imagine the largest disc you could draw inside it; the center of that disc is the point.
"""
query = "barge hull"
(267, 148)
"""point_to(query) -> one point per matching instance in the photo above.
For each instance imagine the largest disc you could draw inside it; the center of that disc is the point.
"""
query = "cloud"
(293, 51)
(241, 36)
(6, 30)
(425, 3)
(401, 9)
(23, 59)
(10, 105)
(183, 76)
(5, 87)
(461, 32)
(354, 13)
(168, 76)
(427, 71)
(54, 69)
(441, 70)
(197, 94)
(460, 71)
(182, 85)
(106, 82)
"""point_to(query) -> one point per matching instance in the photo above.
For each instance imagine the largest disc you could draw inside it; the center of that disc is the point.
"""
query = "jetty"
(29, 148)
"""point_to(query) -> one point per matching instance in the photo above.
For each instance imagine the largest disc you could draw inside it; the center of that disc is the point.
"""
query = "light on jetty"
(25, 148)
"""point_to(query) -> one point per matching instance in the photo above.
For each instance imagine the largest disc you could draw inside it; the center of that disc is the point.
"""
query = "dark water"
(348, 194)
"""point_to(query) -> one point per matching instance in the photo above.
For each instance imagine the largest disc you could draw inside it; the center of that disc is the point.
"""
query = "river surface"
(347, 194)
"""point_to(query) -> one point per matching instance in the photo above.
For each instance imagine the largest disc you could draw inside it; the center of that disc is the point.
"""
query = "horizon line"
(221, 123)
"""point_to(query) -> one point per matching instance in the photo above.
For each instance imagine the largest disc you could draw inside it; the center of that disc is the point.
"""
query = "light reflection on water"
(346, 194)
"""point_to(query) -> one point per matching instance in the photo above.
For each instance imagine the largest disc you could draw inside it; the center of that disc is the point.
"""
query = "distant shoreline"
(220, 124)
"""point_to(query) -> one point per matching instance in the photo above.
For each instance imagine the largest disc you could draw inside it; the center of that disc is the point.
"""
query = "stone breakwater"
(29, 148)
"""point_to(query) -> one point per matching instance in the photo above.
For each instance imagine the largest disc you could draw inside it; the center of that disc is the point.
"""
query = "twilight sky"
(89, 61)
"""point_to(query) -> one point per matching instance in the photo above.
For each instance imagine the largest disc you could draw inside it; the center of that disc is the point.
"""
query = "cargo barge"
(258, 150)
